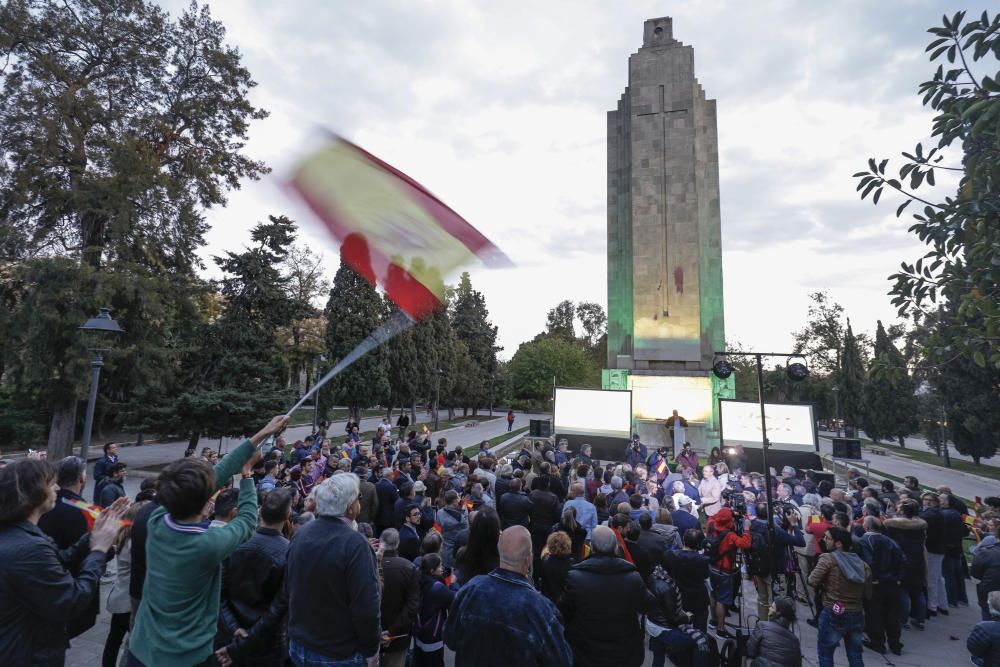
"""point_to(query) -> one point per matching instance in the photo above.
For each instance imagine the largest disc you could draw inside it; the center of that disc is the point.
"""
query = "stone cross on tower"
(664, 247)
(670, 269)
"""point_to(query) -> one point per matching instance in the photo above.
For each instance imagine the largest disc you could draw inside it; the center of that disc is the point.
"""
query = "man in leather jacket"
(669, 628)
(253, 578)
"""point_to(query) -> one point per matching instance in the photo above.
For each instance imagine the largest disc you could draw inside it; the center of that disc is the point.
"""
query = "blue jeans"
(915, 599)
(678, 645)
(305, 657)
(849, 626)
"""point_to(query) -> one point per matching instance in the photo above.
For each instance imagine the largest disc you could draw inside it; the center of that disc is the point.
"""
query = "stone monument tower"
(665, 311)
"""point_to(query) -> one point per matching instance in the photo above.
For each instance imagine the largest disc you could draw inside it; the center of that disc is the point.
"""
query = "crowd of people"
(385, 550)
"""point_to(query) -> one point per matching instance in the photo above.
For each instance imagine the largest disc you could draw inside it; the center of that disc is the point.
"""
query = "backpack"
(757, 564)
(713, 545)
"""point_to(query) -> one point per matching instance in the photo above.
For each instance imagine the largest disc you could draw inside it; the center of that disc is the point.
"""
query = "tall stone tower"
(665, 311)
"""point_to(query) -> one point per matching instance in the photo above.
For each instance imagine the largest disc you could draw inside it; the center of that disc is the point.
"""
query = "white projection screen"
(790, 427)
(593, 412)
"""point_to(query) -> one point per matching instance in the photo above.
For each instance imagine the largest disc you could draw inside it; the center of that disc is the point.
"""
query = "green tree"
(851, 378)
(822, 339)
(303, 335)
(239, 372)
(120, 126)
(889, 402)
(353, 312)
(559, 321)
(594, 322)
(471, 325)
(533, 366)
(961, 230)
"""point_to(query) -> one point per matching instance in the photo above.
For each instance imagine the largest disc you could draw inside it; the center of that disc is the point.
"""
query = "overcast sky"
(500, 110)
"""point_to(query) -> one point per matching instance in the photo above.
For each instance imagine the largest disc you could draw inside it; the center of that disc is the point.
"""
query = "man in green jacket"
(176, 622)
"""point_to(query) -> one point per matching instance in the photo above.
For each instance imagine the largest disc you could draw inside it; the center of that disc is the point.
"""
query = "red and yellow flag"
(392, 230)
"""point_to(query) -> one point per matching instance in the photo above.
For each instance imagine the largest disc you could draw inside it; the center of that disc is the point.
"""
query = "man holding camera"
(765, 564)
(635, 453)
(723, 541)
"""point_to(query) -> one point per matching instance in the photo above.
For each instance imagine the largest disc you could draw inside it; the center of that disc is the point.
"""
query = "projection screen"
(790, 427)
(593, 412)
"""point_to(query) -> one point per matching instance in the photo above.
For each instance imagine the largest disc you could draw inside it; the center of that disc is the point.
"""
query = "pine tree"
(470, 322)
(852, 378)
(353, 311)
(239, 373)
(889, 405)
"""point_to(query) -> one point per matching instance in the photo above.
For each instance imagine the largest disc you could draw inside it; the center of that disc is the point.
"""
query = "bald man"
(500, 619)
(604, 599)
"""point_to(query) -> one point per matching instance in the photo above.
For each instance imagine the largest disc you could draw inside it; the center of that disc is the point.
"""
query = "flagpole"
(395, 325)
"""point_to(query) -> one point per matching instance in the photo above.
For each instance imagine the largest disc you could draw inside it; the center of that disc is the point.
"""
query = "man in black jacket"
(387, 494)
(101, 467)
(669, 627)
(400, 600)
(332, 581)
(787, 533)
(112, 486)
(515, 507)
(251, 580)
(604, 597)
(885, 558)
(70, 519)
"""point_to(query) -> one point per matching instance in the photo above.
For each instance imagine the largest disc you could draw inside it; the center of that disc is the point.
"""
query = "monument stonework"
(665, 301)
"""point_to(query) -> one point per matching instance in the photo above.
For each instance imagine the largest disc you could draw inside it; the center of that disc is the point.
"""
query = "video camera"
(735, 501)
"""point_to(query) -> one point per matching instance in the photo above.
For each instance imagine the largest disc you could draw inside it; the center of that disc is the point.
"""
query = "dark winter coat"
(601, 605)
(773, 644)
(39, 595)
(911, 536)
(514, 509)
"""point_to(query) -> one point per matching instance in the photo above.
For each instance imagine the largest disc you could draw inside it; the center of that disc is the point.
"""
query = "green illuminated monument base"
(665, 299)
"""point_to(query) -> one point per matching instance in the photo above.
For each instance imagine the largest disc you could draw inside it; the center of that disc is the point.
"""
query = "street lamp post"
(319, 359)
(944, 440)
(795, 372)
(100, 332)
(437, 398)
(836, 408)
(493, 378)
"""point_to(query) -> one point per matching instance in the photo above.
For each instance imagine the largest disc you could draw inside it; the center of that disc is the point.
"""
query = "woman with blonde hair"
(556, 561)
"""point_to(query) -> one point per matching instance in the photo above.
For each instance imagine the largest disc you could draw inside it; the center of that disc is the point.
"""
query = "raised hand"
(108, 524)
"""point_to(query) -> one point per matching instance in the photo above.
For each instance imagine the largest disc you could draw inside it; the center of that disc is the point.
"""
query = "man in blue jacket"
(499, 619)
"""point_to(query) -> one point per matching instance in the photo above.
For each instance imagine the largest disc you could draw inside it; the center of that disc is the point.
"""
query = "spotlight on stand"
(797, 372)
(723, 369)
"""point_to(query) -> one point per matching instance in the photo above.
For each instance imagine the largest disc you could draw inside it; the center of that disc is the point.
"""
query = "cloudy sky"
(499, 109)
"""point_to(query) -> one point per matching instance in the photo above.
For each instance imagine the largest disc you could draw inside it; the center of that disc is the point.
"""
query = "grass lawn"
(493, 442)
(930, 457)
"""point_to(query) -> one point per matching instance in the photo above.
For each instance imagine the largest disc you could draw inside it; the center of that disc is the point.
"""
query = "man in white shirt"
(710, 490)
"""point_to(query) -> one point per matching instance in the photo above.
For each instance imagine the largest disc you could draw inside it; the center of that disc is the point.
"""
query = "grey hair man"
(333, 583)
(482, 632)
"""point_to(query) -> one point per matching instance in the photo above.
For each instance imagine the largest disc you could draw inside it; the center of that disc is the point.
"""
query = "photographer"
(766, 564)
(635, 453)
(722, 542)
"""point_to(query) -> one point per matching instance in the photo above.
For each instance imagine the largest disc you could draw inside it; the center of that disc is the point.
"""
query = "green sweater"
(177, 618)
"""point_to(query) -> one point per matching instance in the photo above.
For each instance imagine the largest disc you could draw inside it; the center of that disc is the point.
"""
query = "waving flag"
(392, 231)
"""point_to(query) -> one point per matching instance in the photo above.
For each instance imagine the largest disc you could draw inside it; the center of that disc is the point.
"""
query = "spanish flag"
(90, 512)
(392, 230)
(661, 467)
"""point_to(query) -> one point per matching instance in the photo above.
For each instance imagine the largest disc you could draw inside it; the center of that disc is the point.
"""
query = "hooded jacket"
(845, 578)
(911, 536)
(452, 522)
